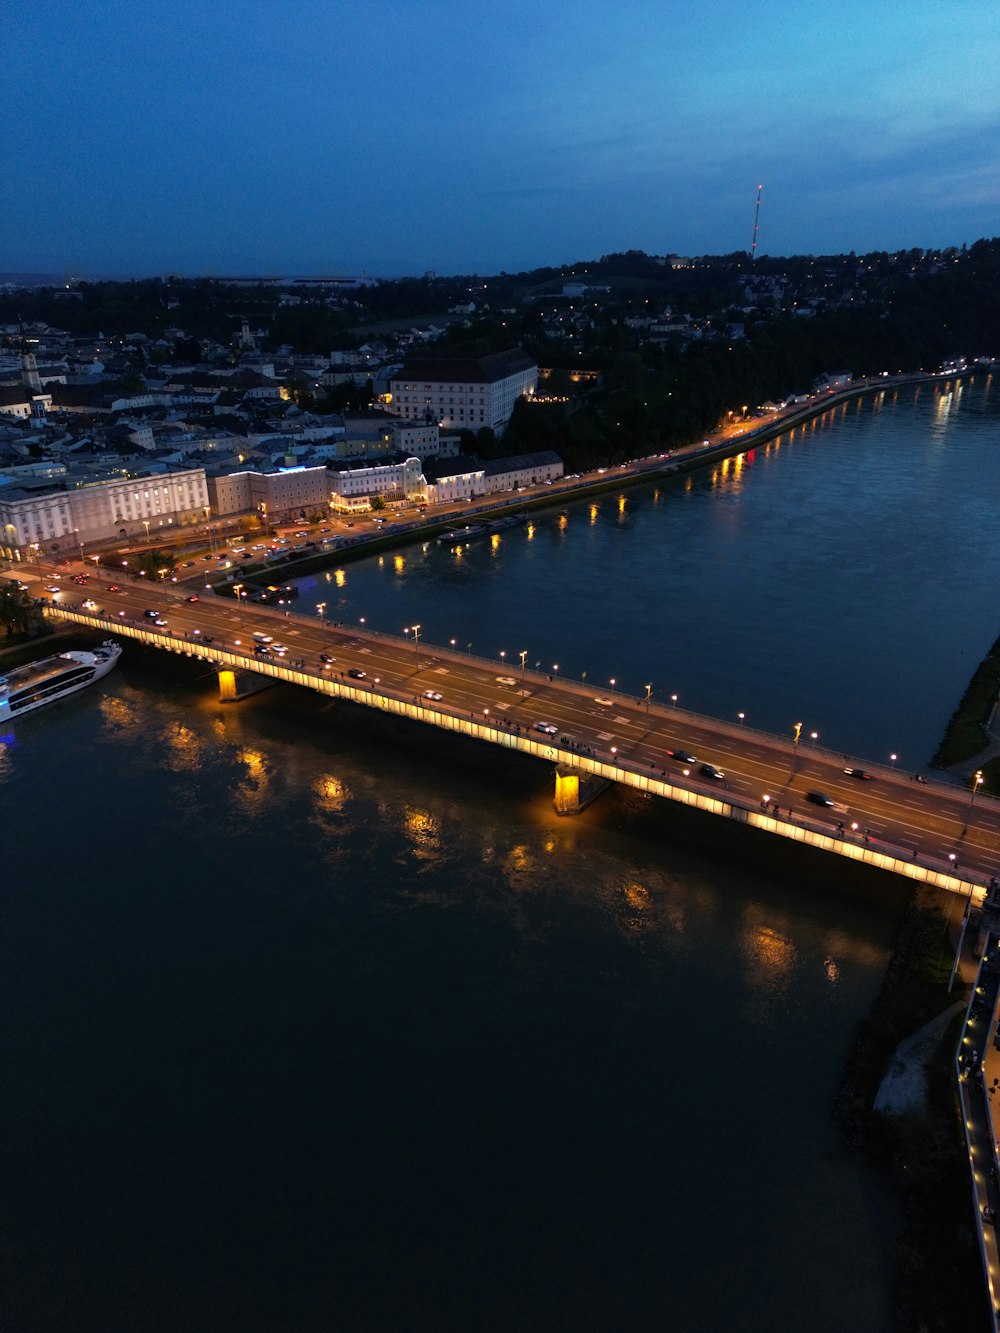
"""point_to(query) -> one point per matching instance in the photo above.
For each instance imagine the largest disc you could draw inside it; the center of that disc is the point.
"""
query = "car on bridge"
(279, 648)
(821, 798)
(436, 695)
(327, 658)
(89, 604)
(710, 771)
(151, 615)
(862, 774)
(603, 701)
(356, 673)
(683, 756)
(547, 728)
(506, 680)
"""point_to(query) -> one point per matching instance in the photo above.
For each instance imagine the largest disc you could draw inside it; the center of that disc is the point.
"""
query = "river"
(316, 1020)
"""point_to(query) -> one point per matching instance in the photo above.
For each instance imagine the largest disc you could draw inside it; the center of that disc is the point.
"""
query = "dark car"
(151, 615)
(193, 598)
(683, 756)
(862, 774)
(821, 798)
(710, 771)
(356, 673)
(326, 657)
(262, 650)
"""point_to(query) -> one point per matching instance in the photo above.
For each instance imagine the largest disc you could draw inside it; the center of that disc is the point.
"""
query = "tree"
(17, 610)
(377, 502)
(152, 565)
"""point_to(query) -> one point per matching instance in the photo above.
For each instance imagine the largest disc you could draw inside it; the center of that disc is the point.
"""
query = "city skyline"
(382, 138)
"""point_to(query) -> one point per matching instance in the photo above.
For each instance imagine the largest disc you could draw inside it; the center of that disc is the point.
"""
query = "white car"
(547, 728)
(90, 604)
(279, 648)
(436, 695)
(506, 680)
(262, 638)
(604, 701)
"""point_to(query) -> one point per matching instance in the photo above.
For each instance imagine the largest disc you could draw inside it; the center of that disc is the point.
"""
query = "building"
(463, 392)
(450, 479)
(286, 494)
(509, 474)
(354, 486)
(58, 513)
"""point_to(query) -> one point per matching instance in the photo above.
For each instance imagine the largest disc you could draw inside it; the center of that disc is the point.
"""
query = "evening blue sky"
(395, 136)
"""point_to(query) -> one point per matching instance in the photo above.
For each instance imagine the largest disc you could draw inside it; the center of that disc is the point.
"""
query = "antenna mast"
(756, 221)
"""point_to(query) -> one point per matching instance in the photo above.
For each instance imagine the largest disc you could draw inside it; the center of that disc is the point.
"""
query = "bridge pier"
(575, 789)
(235, 684)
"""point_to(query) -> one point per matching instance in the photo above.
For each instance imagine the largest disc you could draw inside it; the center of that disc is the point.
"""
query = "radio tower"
(756, 221)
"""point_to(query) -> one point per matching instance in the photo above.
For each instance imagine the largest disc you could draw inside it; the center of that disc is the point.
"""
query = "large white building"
(58, 513)
(352, 488)
(463, 392)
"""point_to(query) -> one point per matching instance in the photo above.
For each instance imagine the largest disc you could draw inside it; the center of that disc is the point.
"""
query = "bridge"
(933, 832)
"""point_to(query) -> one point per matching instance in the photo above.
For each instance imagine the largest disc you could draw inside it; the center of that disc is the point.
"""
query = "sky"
(399, 136)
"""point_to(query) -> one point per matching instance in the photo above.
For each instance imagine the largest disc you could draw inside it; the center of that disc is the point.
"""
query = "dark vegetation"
(966, 735)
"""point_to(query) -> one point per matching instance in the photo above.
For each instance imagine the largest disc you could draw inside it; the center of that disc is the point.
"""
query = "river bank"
(938, 1282)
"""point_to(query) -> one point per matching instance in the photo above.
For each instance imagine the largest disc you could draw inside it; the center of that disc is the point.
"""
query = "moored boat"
(39, 683)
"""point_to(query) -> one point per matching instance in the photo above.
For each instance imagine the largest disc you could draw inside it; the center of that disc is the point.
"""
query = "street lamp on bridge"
(522, 656)
(649, 691)
(415, 631)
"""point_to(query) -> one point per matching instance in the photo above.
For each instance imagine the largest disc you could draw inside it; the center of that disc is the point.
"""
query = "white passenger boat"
(39, 683)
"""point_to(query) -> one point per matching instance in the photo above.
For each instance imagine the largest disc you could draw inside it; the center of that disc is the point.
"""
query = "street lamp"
(673, 700)
(522, 656)
(415, 631)
(892, 760)
(612, 684)
(814, 737)
(502, 656)
(238, 590)
(320, 608)
(741, 717)
(977, 782)
(649, 691)
(145, 524)
(796, 733)
(362, 619)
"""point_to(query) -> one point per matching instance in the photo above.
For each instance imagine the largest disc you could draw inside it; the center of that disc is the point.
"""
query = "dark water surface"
(314, 1020)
